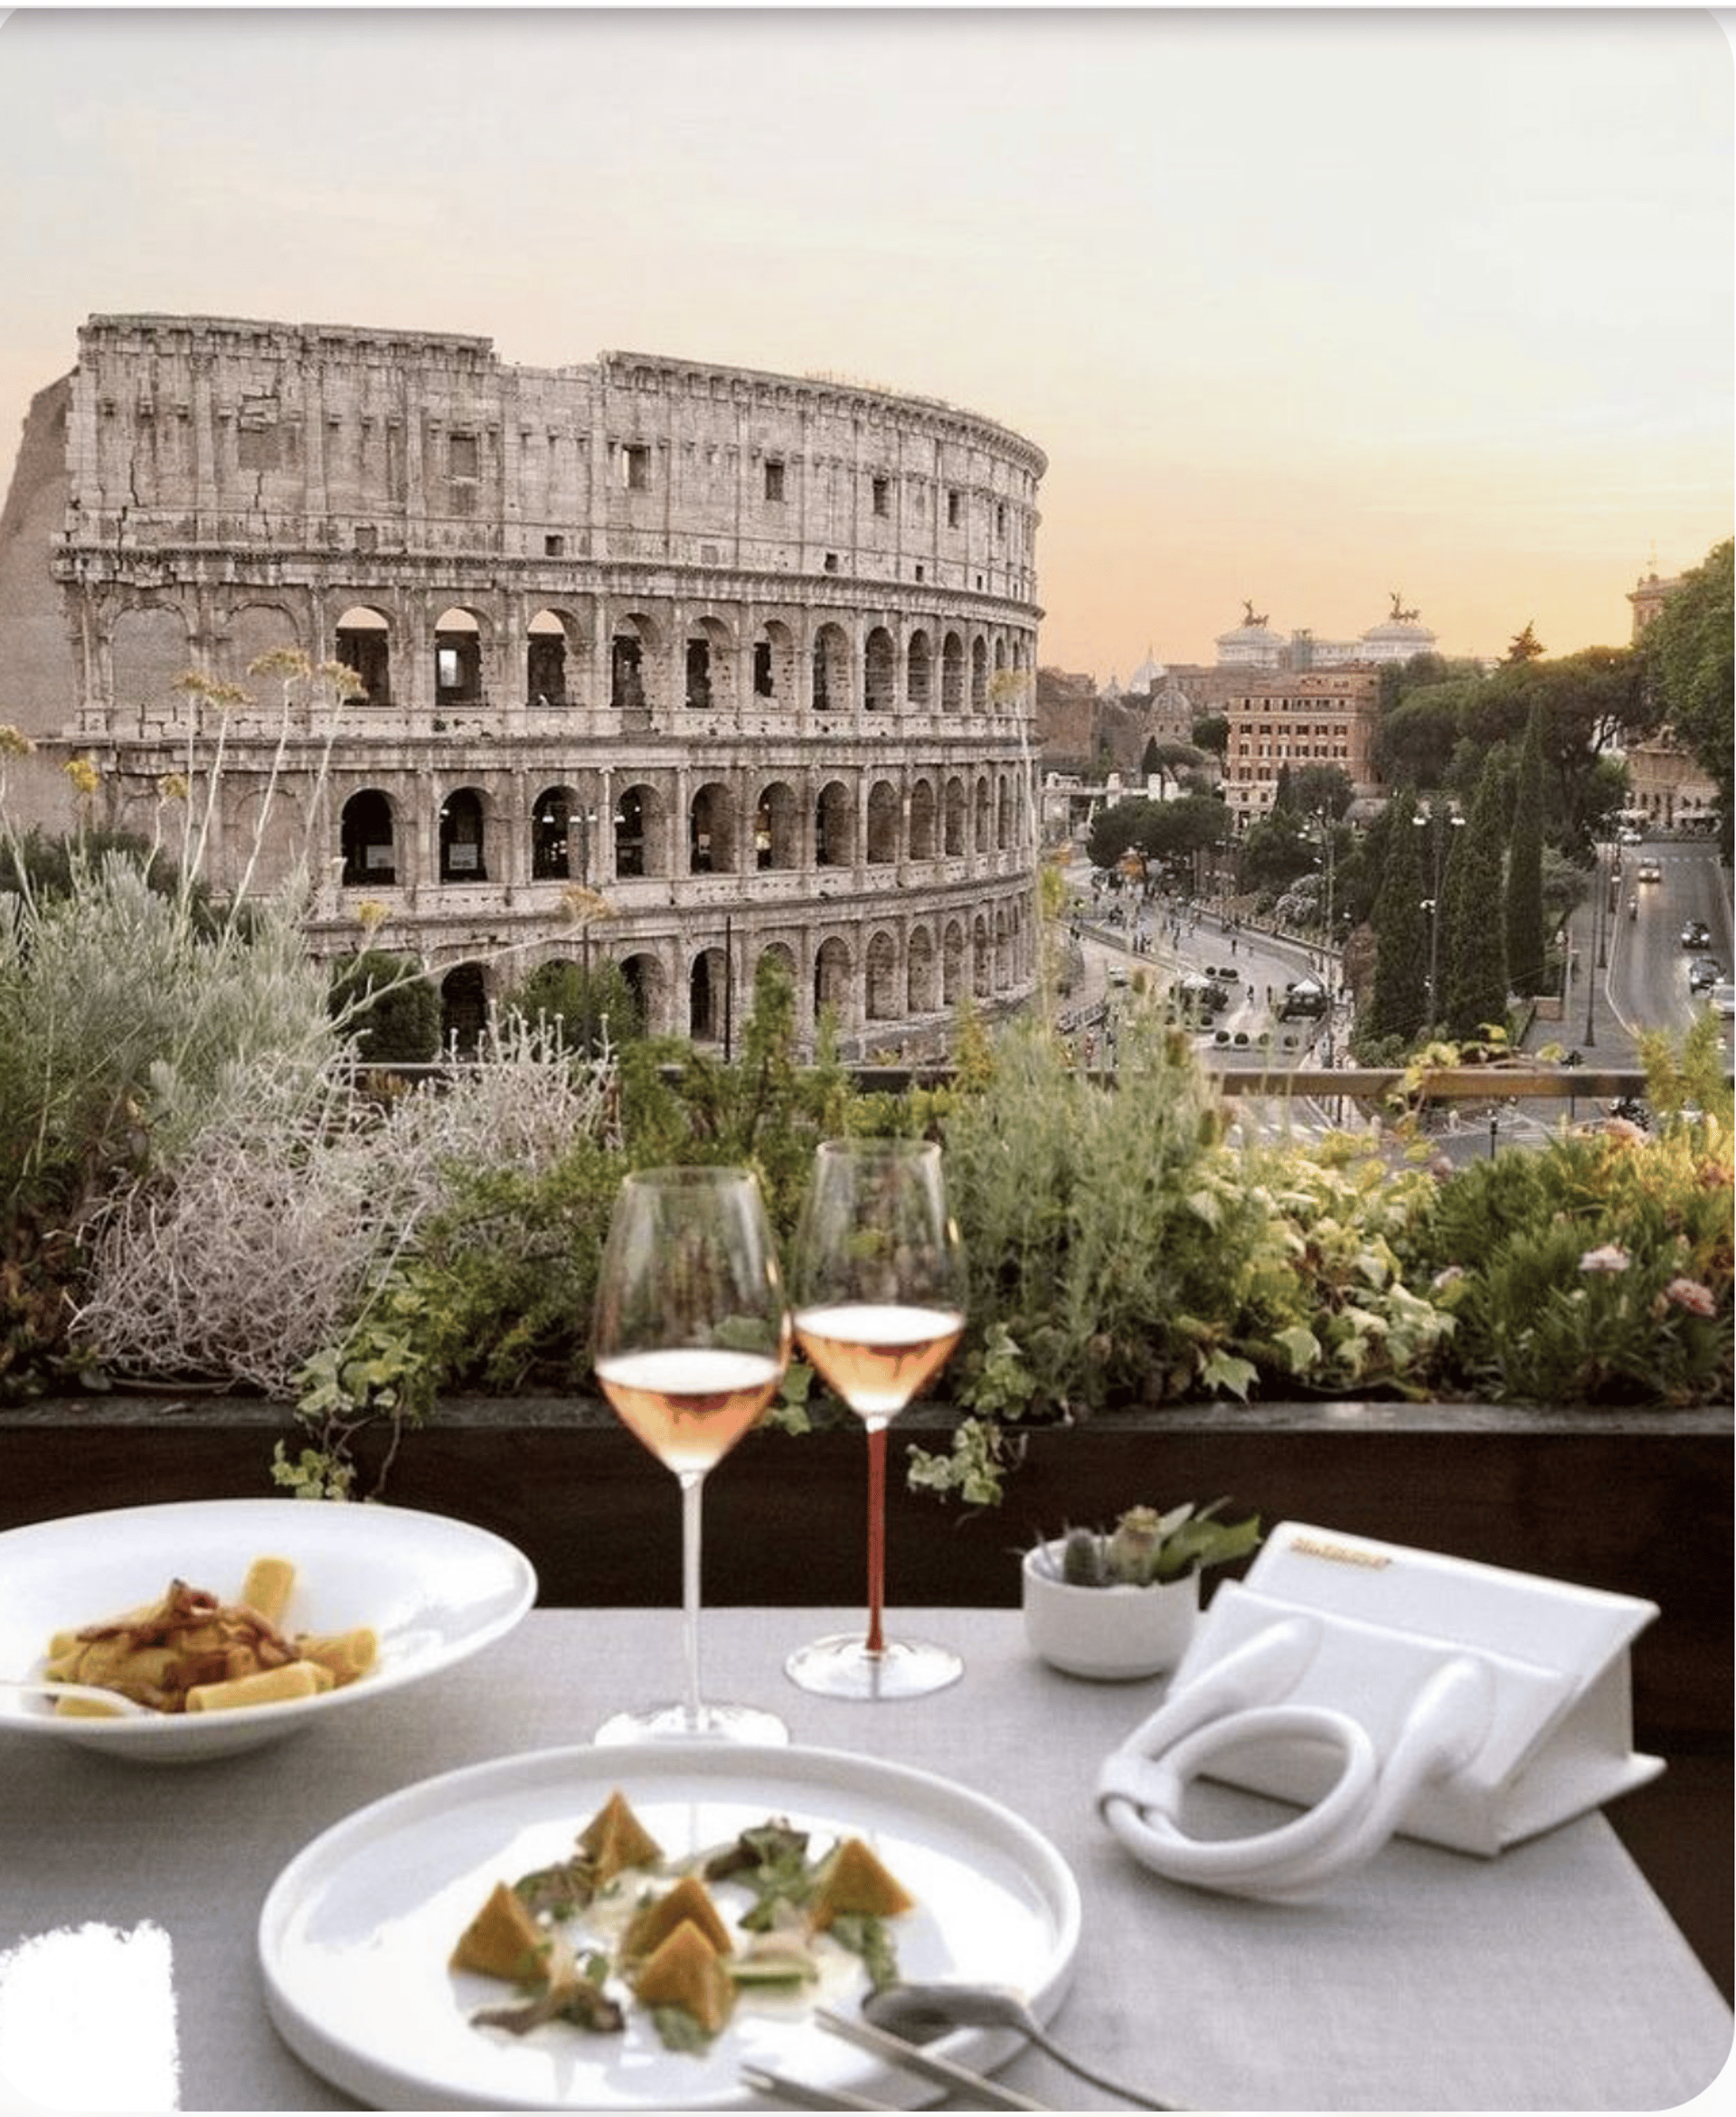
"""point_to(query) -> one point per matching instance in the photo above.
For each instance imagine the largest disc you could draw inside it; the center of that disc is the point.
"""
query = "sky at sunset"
(1306, 308)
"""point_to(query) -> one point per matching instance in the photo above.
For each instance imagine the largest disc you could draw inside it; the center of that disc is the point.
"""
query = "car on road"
(1704, 974)
(1723, 1000)
(1648, 871)
(1696, 934)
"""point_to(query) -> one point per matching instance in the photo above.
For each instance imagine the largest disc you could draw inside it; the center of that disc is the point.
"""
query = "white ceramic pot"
(1113, 1634)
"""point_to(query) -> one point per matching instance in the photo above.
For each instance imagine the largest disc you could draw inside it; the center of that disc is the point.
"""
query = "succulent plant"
(1147, 1548)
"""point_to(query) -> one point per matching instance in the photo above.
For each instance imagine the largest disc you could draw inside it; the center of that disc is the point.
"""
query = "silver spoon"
(121, 1707)
(918, 2012)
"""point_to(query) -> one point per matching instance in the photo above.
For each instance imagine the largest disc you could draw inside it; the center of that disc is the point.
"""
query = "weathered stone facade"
(749, 655)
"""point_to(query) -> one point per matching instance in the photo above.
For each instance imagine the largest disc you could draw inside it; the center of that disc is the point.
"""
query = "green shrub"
(389, 1006)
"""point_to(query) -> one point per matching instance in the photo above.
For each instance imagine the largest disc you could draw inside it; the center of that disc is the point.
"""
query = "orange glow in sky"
(1306, 308)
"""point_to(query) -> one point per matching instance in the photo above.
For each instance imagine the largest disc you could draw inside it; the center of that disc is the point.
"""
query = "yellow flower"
(580, 905)
(85, 777)
(14, 742)
(172, 787)
(371, 914)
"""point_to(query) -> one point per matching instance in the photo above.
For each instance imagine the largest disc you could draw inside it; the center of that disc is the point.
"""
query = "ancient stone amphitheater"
(665, 663)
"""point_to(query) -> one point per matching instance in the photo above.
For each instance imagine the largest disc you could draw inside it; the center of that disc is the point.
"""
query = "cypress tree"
(1527, 939)
(1473, 946)
(1398, 1003)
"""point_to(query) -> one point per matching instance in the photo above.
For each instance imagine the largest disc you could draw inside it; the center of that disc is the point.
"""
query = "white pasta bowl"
(434, 1591)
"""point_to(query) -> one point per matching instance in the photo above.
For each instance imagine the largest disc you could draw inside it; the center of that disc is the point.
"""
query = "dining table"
(1549, 1977)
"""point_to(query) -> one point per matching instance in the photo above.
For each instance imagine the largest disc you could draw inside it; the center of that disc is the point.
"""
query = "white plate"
(434, 1590)
(357, 1931)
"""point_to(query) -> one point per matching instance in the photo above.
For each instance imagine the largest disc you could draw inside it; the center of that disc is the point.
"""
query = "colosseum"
(669, 663)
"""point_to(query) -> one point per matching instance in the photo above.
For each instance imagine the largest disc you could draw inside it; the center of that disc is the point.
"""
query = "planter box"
(1639, 1503)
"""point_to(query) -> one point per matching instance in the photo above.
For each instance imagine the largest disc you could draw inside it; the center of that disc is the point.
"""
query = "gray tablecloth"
(1551, 1979)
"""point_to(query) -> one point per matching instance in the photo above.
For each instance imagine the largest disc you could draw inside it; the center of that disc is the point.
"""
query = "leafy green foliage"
(388, 1006)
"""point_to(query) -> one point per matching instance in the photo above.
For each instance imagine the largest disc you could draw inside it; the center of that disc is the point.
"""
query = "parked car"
(1696, 934)
(1723, 999)
(1648, 871)
(1704, 974)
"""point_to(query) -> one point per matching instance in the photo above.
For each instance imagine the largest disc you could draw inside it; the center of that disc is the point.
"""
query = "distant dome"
(1149, 676)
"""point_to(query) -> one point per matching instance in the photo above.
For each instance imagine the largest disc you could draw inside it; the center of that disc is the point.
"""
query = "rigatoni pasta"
(191, 1653)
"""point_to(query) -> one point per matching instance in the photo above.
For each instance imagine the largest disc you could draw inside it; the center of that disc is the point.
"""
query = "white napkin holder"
(1384, 1689)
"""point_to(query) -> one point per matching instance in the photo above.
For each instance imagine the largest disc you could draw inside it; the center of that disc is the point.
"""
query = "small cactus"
(1147, 1548)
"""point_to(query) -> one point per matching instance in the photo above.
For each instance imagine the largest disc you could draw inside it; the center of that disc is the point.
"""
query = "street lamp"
(1440, 841)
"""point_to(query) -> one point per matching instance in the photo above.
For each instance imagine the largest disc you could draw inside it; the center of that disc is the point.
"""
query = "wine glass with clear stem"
(690, 1339)
(878, 1289)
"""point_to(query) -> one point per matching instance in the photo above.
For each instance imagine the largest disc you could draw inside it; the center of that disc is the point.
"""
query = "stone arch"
(707, 996)
(982, 815)
(553, 639)
(255, 630)
(709, 677)
(464, 1008)
(362, 642)
(919, 670)
(367, 835)
(882, 994)
(832, 974)
(642, 835)
(458, 658)
(953, 971)
(879, 672)
(632, 659)
(711, 830)
(920, 973)
(149, 650)
(774, 663)
(648, 982)
(831, 669)
(955, 816)
(550, 835)
(266, 834)
(952, 674)
(979, 674)
(834, 827)
(923, 819)
(884, 818)
(778, 827)
(981, 965)
(1002, 813)
(463, 835)
(1002, 976)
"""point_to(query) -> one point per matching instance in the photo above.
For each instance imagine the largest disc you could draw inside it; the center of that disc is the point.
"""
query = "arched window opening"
(637, 815)
(361, 640)
(879, 672)
(706, 997)
(922, 821)
(834, 827)
(550, 828)
(462, 852)
(980, 965)
(832, 979)
(882, 998)
(952, 965)
(920, 987)
(457, 661)
(831, 670)
(366, 840)
(545, 661)
(631, 645)
(983, 818)
(464, 1008)
(777, 828)
(711, 831)
(978, 676)
(919, 671)
(646, 981)
(882, 823)
(952, 674)
(955, 818)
